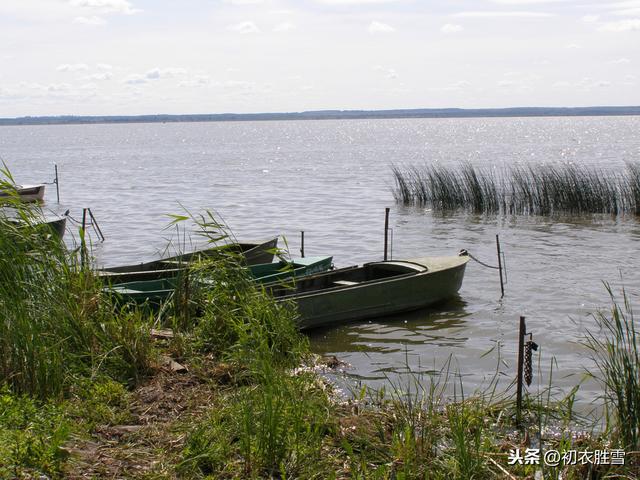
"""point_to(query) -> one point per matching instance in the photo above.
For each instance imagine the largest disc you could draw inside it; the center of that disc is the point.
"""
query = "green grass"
(55, 324)
(544, 189)
(32, 435)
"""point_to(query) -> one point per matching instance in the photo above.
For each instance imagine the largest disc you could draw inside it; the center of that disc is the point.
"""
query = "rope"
(482, 263)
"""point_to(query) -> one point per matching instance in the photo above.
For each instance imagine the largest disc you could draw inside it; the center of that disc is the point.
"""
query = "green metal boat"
(157, 291)
(254, 253)
(373, 290)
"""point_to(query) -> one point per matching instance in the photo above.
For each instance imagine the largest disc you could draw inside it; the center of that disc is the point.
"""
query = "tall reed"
(543, 189)
(617, 357)
(54, 322)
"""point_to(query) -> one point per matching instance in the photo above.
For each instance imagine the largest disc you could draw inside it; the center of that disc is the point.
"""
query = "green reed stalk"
(54, 322)
(617, 357)
(535, 189)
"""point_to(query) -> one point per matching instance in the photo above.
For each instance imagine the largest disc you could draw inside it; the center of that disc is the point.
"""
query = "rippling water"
(333, 180)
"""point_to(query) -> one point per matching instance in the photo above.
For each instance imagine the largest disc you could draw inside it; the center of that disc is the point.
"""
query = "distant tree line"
(331, 114)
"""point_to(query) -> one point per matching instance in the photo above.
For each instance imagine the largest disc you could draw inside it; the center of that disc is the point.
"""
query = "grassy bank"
(543, 189)
(220, 384)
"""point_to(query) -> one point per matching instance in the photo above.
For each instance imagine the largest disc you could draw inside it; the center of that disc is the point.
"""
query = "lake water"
(333, 180)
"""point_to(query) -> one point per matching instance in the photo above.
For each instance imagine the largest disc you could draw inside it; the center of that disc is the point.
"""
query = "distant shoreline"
(331, 115)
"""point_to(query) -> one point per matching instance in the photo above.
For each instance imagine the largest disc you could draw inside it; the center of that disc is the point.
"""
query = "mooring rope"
(481, 262)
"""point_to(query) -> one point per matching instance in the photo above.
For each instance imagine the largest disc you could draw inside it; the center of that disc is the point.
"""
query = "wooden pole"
(302, 243)
(57, 183)
(500, 265)
(83, 242)
(386, 231)
(521, 334)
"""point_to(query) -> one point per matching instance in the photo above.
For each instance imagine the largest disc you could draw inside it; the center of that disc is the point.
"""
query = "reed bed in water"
(543, 189)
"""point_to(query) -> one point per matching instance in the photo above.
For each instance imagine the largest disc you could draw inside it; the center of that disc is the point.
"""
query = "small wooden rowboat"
(155, 292)
(26, 193)
(253, 252)
(52, 226)
(373, 290)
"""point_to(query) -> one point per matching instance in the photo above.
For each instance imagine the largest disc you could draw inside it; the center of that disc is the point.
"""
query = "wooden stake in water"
(386, 231)
(302, 243)
(500, 265)
(57, 182)
(83, 243)
(521, 334)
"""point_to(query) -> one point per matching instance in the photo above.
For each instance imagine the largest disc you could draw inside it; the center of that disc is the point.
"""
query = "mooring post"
(500, 265)
(386, 231)
(83, 242)
(521, 334)
(302, 243)
(57, 182)
(95, 225)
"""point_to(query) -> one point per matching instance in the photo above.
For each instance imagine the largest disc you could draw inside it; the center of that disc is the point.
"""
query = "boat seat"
(345, 282)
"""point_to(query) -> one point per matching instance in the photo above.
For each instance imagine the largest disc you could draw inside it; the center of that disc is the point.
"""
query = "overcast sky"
(110, 57)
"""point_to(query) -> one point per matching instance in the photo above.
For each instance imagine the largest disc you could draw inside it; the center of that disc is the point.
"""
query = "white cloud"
(620, 61)
(590, 18)
(244, 28)
(459, 85)
(160, 73)
(58, 87)
(628, 12)
(107, 6)
(498, 14)
(621, 26)
(244, 2)
(355, 2)
(101, 76)
(197, 81)
(135, 79)
(90, 20)
(284, 27)
(104, 66)
(585, 84)
(72, 67)
(389, 73)
(379, 27)
(451, 28)
(526, 2)
(572, 46)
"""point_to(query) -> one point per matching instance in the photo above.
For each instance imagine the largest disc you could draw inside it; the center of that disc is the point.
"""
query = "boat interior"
(347, 277)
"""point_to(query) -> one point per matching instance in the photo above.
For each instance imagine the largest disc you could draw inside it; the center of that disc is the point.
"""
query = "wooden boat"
(56, 226)
(373, 290)
(159, 290)
(253, 253)
(26, 193)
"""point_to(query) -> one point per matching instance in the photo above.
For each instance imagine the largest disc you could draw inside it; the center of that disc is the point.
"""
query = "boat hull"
(27, 193)
(440, 281)
(156, 291)
(253, 253)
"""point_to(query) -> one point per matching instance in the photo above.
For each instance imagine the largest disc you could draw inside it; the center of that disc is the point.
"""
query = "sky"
(133, 57)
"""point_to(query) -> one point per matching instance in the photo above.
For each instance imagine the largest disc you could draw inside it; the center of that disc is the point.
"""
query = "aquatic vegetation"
(617, 356)
(543, 189)
(54, 323)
